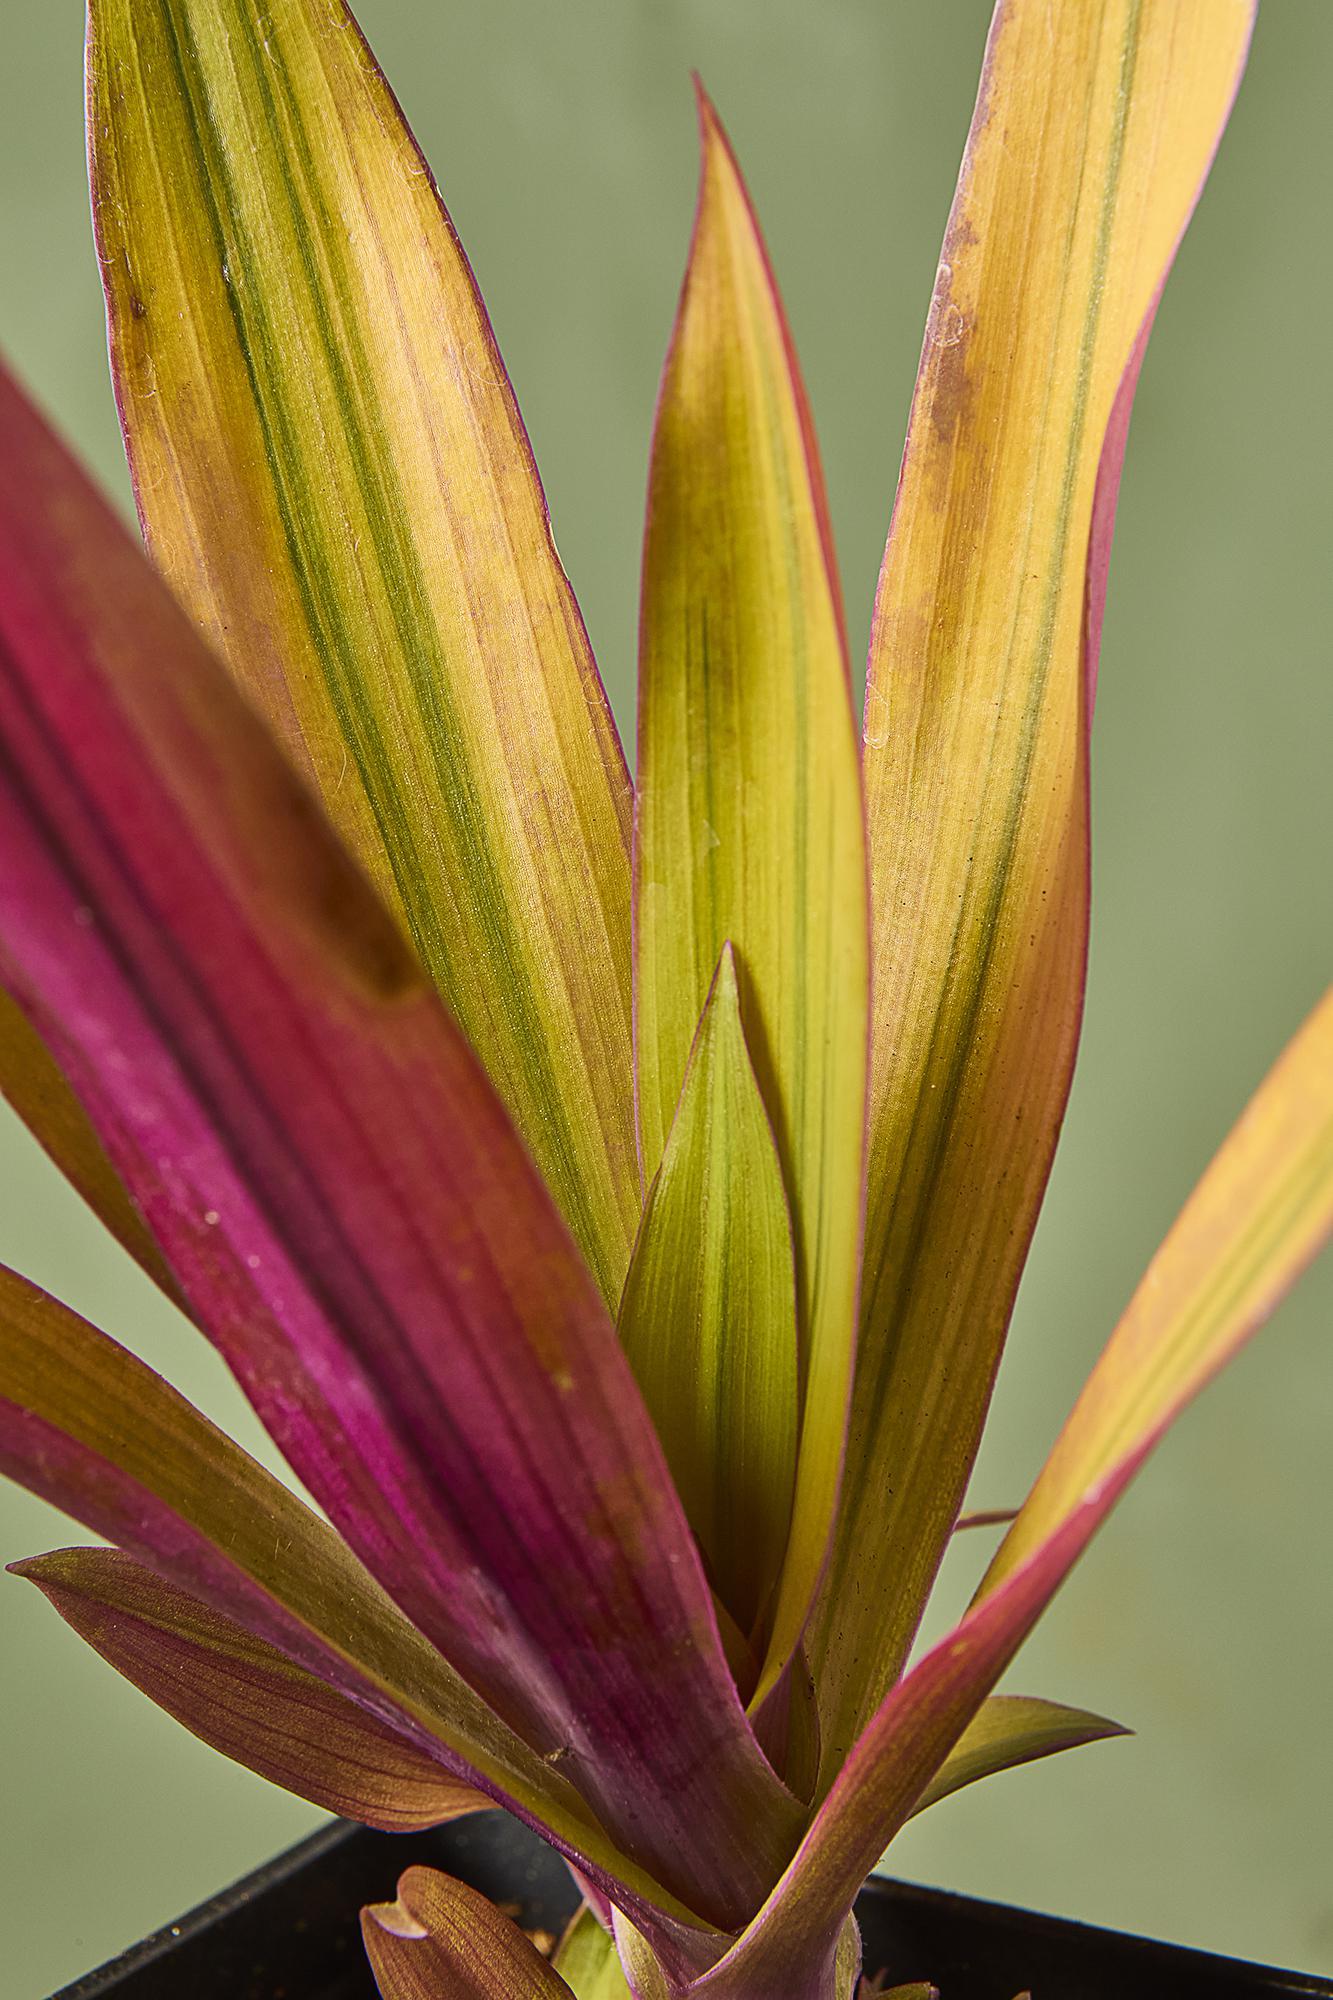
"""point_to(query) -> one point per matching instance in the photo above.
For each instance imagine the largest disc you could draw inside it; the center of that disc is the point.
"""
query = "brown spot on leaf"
(951, 390)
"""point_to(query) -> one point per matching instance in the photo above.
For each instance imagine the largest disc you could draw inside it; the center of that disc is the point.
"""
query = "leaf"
(1259, 1215)
(785, 1948)
(1009, 1730)
(333, 475)
(1251, 1226)
(245, 1698)
(643, 1974)
(90, 1429)
(749, 819)
(708, 1319)
(443, 1941)
(341, 1196)
(31, 1082)
(787, 1724)
(830, 1972)
(1094, 129)
(588, 1962)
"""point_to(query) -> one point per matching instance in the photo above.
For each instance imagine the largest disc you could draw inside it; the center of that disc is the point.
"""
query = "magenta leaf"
(341, 1196)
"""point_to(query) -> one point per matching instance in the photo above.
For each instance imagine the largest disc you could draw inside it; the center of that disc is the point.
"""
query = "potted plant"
(611, 1200)
(291, 1929)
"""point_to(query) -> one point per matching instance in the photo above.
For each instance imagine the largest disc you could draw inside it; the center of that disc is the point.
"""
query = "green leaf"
(588, 1961)
(333, 475)
(709, 1314)
(749, 814)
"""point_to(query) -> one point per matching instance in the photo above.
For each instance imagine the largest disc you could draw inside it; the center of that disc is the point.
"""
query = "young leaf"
(1095, 126)
(342, 1197)
(333, 475)
(245, 1698)
(749, 815)
(443, 1941)
(1009, 1730)
(589, 1963)
(709, 1313)
(1251, 1226)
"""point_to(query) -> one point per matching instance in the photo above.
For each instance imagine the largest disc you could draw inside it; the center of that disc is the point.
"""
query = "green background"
(563, 139)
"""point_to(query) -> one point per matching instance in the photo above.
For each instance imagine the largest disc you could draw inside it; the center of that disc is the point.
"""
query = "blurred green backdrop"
(563, 139)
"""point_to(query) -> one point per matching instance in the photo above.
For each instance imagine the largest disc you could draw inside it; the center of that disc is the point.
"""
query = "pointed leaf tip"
(1094, 129)
(749, 823)
(1261, 1212)
(245, 1698)
(89, 1428)
(340, 1192)
(333, 474)
(1010, 1730)
(709, 1313)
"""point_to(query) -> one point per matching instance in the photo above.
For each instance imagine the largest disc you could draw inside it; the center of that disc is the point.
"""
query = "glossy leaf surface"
(1095, 125)
(749, 812)
(709, 1313)
(341, 1196)
(443, 1941)
(245, 1698)
(334, 477)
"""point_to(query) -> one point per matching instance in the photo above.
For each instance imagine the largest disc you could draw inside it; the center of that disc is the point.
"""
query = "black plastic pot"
(290, 1932)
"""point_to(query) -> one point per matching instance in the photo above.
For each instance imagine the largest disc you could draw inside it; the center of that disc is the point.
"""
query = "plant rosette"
(610, 1197)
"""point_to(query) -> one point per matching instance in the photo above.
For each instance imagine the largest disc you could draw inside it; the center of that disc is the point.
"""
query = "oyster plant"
(610, 1195)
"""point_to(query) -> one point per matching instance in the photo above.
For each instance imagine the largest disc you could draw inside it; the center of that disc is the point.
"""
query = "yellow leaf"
(1095, 125)
(1262, 1210)
(333, 475)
